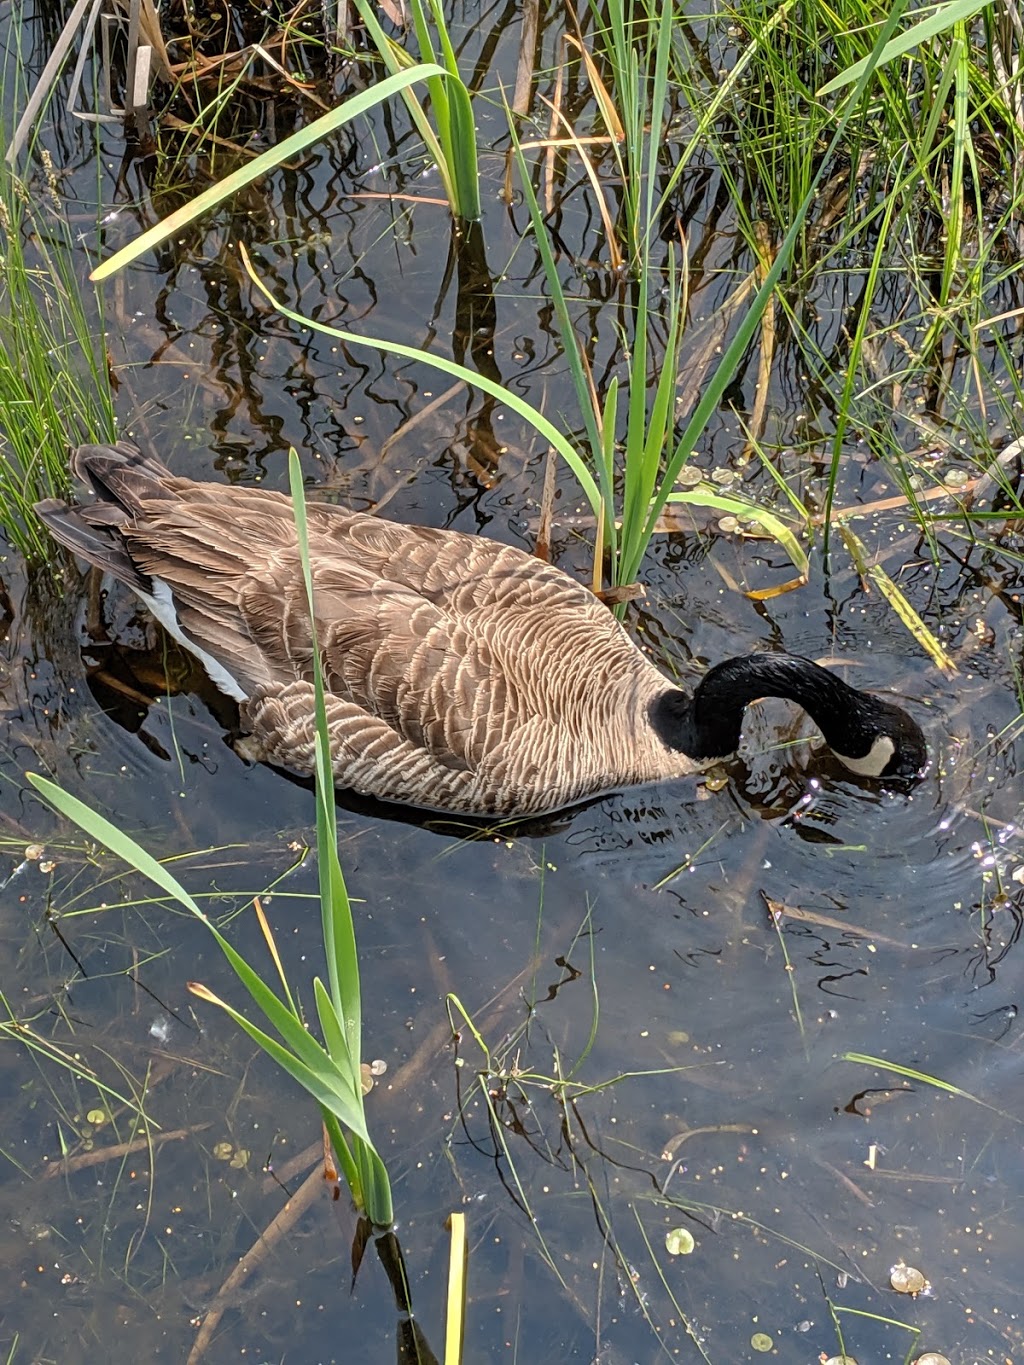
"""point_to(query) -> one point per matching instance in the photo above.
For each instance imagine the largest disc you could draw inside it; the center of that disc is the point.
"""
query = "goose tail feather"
(122, 480)
(121, 474)
(94, 538)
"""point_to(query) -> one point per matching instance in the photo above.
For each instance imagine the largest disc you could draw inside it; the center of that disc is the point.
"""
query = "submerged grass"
(923, 1078)
(536, 1111)
(50, 1054)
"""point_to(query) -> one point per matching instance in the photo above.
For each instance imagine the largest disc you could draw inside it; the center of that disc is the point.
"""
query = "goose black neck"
(708, 724)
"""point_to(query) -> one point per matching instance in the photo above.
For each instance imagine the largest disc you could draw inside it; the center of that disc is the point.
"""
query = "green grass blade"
(326, 828)
(266, 161)
(422, 31)
(606, 475)
(512, 400)
(453, 113)
(339, 1009)
(318, 1080)
(954, 217)
(945, 16)
(376, 1185)
(462, 157)
(332, 1028)
(119, 843)
(438, 91)
(776, 528)
(642, 483)
(864, 1059)
(453, 146)
(336, 909)
(397, 59)
(660, 110)
(343, 1151)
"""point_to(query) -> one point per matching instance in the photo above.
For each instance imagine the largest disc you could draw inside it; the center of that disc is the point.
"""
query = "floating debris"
(679, 1242)
(906, 1279)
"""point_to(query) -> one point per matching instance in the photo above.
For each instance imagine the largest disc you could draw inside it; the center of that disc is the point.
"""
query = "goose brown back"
(461, 674)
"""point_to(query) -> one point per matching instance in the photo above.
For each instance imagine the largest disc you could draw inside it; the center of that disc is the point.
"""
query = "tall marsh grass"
(637, 447)
(913, 196)
(453, 145)
(54, 380)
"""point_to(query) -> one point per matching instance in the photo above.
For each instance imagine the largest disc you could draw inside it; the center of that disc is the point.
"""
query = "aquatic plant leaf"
(945, 16)
(679, 1242)
(738, 507)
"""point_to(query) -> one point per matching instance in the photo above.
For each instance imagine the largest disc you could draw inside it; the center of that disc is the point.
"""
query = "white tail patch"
(161, 603)
(874, 762)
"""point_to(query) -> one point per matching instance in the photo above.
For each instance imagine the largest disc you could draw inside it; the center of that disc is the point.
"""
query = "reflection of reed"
(473, 333)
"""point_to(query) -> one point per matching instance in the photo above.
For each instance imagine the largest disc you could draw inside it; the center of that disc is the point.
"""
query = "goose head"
(871, 736)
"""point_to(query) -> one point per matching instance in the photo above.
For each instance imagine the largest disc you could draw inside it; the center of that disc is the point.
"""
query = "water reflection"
(660, 989)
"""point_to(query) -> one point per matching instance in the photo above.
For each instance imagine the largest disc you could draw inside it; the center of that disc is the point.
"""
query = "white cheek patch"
(161, 604)
(874, 762)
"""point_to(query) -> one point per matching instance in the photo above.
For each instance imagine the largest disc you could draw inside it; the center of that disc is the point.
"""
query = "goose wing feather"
(462, 673)
(443, 653)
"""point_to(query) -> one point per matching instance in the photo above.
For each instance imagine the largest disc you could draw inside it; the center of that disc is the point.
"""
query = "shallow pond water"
(680, 990)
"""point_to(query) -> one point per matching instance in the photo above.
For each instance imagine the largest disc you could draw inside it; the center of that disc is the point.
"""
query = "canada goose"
(462, 674)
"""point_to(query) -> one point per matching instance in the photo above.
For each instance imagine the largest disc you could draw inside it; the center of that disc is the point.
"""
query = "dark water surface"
(629, 942)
